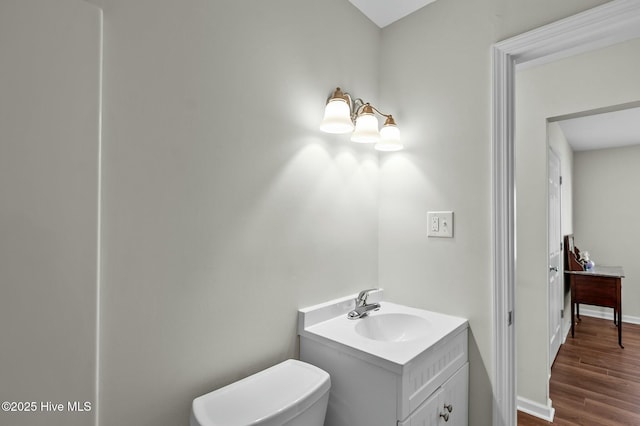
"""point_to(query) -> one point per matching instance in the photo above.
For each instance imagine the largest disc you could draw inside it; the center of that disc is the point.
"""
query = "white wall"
(581, 83)
(436, 68)
(49, 144)
(225, 208)
(606, 192)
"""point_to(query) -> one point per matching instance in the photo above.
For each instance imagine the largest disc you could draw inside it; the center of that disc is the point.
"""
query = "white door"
(556, 299)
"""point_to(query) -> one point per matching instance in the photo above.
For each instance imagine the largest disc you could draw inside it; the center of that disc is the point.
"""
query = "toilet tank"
(290, 393)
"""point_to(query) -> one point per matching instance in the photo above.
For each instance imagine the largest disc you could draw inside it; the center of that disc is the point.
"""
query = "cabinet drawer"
(598, 291)
(427, 414)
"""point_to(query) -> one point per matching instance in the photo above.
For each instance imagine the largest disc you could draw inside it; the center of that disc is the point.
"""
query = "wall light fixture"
(341, 112)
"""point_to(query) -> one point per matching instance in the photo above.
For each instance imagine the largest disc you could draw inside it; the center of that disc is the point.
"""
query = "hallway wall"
(607, 226)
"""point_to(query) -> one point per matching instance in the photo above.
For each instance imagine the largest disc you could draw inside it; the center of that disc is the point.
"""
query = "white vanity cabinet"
(392, 383)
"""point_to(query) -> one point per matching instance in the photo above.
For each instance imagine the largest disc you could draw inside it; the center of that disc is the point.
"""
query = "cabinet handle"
(449, 407)
(445, 416)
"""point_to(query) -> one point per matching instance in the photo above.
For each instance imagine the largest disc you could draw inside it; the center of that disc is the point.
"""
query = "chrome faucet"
(362, 307)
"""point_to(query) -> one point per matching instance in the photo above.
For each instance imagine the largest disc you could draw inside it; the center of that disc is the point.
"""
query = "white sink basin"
(393, 327)
(390, 337)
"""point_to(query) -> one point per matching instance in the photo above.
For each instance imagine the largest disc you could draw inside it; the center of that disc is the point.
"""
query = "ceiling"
(385, 12)
(607, 130)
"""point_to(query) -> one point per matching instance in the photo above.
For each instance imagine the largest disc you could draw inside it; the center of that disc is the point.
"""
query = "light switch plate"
(440, 224)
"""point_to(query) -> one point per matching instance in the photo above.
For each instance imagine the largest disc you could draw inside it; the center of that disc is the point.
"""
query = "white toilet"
(291, 393)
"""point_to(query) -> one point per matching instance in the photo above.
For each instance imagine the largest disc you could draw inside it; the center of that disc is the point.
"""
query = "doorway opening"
(608, 24)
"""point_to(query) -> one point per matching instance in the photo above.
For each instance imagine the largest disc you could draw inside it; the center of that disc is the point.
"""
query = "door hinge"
(510, 318)
(561, 313)
(560, 180)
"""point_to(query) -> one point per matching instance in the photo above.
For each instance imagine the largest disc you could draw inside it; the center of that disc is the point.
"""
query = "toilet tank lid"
(269, 397)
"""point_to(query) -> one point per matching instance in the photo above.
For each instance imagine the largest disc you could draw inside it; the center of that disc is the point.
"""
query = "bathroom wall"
(49, 145)
(589, 81)
(436, 73)
(225, 209)
(606, 224)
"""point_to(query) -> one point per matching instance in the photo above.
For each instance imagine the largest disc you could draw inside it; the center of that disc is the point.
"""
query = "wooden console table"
(602, 286)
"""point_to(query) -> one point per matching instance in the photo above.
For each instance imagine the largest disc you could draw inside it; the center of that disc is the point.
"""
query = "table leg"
(619, 309)
(573, 319)
(620, 325)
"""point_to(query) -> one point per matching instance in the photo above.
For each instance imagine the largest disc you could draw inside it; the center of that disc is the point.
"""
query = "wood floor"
(593, 380)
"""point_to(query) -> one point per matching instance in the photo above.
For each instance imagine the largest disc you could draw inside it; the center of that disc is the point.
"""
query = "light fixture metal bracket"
(357, 105)
(339, 120)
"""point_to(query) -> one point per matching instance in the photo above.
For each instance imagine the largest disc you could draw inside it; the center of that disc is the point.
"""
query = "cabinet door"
(448, 405)
(454, 399)
(426, 414)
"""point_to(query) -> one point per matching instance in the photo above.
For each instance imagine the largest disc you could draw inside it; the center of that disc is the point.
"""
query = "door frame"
(611, 23)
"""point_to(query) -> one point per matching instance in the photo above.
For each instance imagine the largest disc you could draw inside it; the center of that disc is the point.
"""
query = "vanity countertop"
(328, 323)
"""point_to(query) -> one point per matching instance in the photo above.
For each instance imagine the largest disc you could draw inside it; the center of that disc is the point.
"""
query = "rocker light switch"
(440, 224)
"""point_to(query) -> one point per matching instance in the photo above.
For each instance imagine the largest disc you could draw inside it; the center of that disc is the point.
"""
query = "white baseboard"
(567, 328)
(544, 412)
(608, 314)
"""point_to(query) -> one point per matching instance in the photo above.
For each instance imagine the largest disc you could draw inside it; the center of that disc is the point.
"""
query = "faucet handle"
(365, 294)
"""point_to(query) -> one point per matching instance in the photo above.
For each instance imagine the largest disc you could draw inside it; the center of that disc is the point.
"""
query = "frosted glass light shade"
(389, 138)
(337, 117)
(366, 129)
